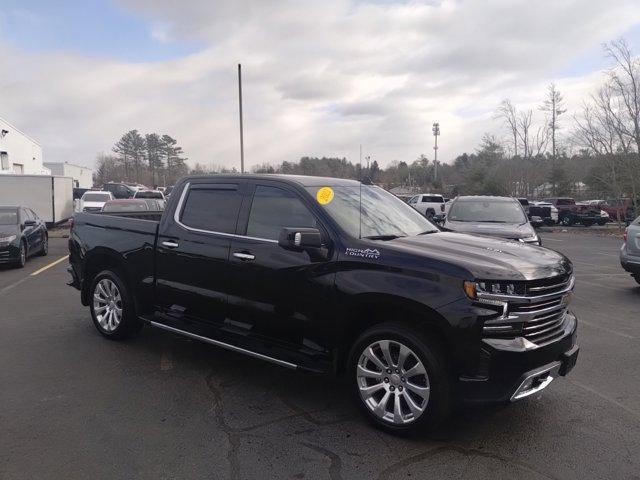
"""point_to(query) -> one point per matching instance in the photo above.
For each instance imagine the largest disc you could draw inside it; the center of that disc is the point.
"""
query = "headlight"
(500, 288)
(7, 240)
(604, 214)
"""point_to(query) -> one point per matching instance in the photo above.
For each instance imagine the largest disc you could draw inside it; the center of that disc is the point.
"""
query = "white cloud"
(320, 77)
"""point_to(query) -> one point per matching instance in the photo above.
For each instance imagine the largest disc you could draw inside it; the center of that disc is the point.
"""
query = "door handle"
(169, 244)
(244, 256)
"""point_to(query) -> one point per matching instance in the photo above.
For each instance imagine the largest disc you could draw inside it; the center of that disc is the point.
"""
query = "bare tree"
(509, 116)
(554, 107)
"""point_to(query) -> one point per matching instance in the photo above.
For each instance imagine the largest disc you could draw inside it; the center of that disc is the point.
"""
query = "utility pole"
(241, 127)
(436, 131)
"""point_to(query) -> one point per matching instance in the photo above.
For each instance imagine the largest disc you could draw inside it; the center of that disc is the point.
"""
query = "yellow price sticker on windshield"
(325, 195)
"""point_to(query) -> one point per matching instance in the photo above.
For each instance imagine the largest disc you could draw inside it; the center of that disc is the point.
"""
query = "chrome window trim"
(178, 211)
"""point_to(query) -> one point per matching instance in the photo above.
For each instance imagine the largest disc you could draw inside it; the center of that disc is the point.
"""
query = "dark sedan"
(22, 234)
(502, 217)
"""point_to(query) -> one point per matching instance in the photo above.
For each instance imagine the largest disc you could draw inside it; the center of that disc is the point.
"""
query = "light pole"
(241, 127)
(436, 131)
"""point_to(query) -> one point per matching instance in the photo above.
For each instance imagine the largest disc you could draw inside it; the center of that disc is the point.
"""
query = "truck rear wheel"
(400, 378)
(112, 308)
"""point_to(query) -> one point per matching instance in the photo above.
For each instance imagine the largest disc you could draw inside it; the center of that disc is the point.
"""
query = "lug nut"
(402, 379)
(400, 388)
(386, 380)
(392, 388)
(388, 370)
(397, 371)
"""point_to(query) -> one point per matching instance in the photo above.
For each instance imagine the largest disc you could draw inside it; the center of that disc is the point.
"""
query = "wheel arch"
(97, 260)
(368, 310)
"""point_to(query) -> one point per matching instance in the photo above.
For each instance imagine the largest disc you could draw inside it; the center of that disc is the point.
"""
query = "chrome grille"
(538, 316)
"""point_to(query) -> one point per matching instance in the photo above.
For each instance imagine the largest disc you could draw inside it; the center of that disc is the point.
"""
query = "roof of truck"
(304, 180)
(480, 198)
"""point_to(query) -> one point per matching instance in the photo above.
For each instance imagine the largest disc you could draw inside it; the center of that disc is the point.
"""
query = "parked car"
(167, 191)
(619, 209)
(149, 194)
(94, 200)
(120, 190)
(134, 205)
(630, 251)
(570, 213)
(525, 204)
(22, 234)
(545, 210)
(501, 217)
(428, 204)
(329, 275)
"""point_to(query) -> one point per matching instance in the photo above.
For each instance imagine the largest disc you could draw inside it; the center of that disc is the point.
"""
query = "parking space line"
(605, 329)
(607, 398)
(46, 267)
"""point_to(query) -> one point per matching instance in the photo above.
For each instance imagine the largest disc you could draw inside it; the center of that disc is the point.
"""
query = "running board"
(227, 346)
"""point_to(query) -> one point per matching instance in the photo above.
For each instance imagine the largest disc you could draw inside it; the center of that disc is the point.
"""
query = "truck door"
(279, 295)
(192, 260)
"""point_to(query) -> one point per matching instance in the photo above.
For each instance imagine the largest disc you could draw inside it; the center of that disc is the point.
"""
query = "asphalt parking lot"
(74, 405)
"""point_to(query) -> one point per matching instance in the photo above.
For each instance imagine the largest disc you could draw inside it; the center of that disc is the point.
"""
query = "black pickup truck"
(334, 276)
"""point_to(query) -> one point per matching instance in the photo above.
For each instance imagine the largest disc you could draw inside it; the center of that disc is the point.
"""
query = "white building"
(82, 176)
(19, 153)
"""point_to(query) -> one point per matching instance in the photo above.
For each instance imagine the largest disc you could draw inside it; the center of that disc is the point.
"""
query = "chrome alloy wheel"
(393, 382)
(107, 305)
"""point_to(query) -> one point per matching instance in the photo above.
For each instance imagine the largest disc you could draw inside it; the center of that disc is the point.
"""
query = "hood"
(485, 258)
(503, 230)
(7, 230)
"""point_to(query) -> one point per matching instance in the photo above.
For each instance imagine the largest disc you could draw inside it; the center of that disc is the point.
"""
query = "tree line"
(149, 159)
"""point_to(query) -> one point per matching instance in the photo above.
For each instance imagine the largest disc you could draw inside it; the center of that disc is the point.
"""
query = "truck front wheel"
(400, 378)
(112, 308)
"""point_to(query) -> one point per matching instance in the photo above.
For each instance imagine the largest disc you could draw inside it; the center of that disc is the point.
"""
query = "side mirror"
(29, 223)
(300, 239)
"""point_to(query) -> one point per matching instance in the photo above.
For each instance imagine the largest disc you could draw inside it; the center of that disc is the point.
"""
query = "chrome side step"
(228, 346)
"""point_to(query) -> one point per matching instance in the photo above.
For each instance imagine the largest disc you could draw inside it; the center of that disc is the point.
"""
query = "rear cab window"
(433, 198)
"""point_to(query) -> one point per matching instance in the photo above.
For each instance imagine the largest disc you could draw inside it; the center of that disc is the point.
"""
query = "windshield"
(96, 197)
(487, 211)
(8, 217)
(383, 214)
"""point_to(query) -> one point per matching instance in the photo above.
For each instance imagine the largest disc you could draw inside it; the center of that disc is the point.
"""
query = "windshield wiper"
(383, 237)
(427, 232)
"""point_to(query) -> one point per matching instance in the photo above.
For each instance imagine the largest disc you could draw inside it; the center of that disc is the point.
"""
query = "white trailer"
(51, 197)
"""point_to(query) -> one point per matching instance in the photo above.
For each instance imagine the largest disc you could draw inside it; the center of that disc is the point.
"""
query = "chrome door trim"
(227, 346)
(244, 256)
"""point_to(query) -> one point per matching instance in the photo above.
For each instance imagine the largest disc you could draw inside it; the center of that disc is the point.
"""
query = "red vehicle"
(570, 213)
(619, 209)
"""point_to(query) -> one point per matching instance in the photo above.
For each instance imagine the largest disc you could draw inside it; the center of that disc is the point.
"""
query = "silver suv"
(630, 251)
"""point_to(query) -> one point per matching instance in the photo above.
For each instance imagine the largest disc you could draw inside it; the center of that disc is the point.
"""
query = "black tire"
(602, 223)
(22, 255)
(636, 278)
(567, 221)
(430, 213)
(45, 246)
(430, 353)
(587, 223)
(129, 323)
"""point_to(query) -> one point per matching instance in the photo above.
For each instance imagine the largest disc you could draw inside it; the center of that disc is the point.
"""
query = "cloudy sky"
(320, 77)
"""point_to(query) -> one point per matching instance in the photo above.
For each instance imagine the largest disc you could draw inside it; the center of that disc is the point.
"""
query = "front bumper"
(509, 370)
(9, 253)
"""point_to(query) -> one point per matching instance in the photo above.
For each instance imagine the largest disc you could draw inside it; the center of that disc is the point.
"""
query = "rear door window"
(212, 208)
(432, 198)
(273, 209)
